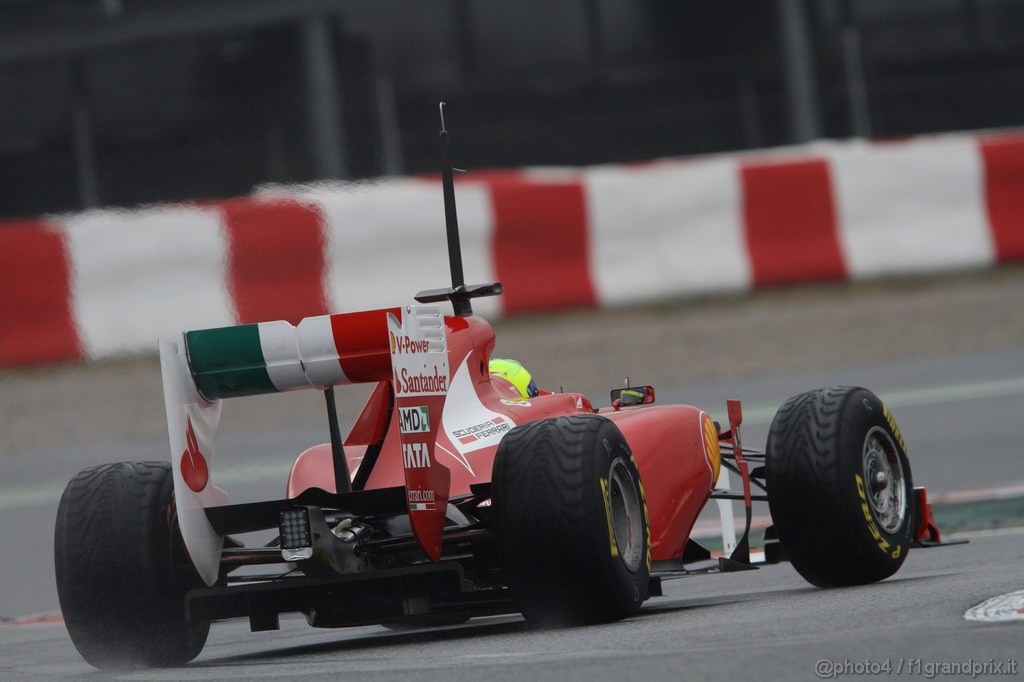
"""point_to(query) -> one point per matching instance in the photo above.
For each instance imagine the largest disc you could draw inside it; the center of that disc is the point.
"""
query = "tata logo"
(414, 419)
(415, 456)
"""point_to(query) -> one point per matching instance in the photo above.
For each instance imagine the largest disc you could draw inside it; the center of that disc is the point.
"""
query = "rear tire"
(839, 487)
(571, 521)
(122, 572)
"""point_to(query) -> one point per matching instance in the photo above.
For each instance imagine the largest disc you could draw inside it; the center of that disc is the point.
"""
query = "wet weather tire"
(121, 568)
(839, 487)
(571, 521)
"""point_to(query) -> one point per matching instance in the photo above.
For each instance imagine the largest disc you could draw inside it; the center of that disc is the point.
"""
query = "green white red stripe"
(270, 357)
(250, 359)
(320, 351)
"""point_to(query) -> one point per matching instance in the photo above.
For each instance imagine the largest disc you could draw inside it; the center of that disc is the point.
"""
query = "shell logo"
(394, 343)
(711, 448)
(194, 470)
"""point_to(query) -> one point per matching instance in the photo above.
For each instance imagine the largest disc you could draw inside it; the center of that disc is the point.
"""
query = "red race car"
(456, 493)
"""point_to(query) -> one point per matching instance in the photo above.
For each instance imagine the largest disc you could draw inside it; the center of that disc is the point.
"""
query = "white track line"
(915, 397)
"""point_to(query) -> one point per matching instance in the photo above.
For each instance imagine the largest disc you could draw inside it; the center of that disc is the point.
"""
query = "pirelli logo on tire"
(612, 544)
(894, 427)
(873, 528)
(643, 502)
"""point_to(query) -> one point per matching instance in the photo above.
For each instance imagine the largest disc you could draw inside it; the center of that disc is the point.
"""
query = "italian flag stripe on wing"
(250, 359)
(269, 357)
(228, 362)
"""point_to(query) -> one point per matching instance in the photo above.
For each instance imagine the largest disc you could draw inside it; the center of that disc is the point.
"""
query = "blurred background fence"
(126, 102)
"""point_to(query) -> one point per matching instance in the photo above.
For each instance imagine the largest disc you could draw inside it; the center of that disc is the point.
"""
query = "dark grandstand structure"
(121, 102)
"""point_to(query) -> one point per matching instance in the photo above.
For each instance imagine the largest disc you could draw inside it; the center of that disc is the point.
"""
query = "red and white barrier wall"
(103, 283)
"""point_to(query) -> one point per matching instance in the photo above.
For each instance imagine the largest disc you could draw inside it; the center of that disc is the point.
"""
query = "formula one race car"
(451, 497)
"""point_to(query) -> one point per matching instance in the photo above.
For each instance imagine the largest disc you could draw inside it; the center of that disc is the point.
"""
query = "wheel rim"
(884, 480)
(627, 516)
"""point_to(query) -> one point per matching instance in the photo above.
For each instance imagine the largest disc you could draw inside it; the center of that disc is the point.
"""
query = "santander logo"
(194, 470)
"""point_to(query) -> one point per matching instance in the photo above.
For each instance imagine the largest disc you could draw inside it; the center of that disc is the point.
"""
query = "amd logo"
(414, 419)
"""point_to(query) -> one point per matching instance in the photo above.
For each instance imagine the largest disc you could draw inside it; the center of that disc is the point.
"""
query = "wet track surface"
(959, 406)
(765, 624)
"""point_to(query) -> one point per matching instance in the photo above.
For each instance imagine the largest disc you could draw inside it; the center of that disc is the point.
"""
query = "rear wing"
(203, 367)
(407, 346)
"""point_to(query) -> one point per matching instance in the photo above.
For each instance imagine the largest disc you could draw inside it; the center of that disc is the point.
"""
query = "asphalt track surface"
(947, 355)
(765, 624)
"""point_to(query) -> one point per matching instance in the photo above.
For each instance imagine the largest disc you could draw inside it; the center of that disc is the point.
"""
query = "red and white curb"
(1001, 492)
(108, 282)
(51, 618)
(1005, 607)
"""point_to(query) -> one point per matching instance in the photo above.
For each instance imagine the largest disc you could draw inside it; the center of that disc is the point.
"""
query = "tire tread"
(813, 504)
(122, 601)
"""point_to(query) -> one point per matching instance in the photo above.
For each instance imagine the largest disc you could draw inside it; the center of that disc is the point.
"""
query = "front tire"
(121, 568)
(571, 521)
(839, 487)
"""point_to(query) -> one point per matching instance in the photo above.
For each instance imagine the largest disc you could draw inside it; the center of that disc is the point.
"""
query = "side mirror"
(632, 395)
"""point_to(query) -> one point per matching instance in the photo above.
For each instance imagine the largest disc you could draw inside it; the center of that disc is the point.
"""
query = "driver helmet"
(521, 384)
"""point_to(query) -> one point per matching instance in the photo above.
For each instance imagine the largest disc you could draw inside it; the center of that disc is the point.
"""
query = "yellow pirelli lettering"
(894, 427)
(882, 543)
(643, 501)
(648, 543)
(608, 516)
(639, 483)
